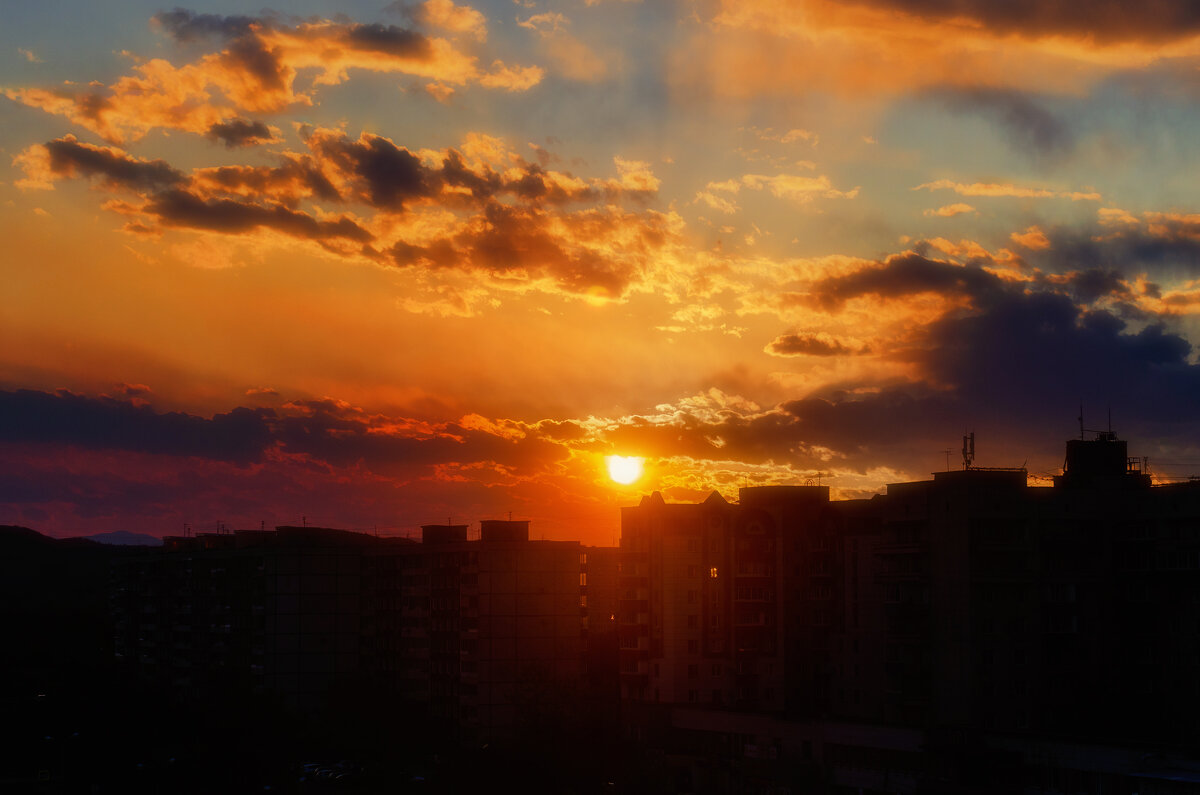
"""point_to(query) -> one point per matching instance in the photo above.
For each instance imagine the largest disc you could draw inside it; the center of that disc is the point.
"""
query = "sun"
(624, 469)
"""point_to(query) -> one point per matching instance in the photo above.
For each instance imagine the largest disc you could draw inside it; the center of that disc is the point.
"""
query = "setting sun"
(624, 469)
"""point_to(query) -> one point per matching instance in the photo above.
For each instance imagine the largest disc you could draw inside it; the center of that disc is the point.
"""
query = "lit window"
(712, 573)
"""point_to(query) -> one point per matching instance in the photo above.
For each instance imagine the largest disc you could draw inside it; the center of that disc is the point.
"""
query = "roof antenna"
(1081, 420)
(968, 450)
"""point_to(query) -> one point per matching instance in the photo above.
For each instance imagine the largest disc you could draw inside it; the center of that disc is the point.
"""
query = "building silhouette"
(967, 633)
(482, 638)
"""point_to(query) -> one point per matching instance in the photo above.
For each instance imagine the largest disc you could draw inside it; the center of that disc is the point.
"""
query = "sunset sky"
(383, 265)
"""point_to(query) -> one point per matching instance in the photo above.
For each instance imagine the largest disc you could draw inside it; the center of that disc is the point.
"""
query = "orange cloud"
(483, 209)
(1032, 238)
(257, 71)
(749, 48)
(1000, 189)
(803, 189)
(950, 210)
(446, 15)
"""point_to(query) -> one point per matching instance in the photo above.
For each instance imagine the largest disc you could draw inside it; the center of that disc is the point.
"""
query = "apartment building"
(948, 635)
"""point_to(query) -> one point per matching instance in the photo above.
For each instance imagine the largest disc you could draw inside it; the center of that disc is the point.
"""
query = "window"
(693, 671)
(693, 621)
(693, 596)
(712, 573)
(693, 647)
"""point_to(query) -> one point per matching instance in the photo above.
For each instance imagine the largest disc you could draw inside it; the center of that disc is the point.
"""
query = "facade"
(483, 637)
(947, 636)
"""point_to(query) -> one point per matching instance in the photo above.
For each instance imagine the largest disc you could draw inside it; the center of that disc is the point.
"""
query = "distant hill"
(11, 534)
(126, 539)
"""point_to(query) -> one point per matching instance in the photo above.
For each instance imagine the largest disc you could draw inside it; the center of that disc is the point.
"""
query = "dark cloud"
(1028, 351)
(439, 254)
(1030, 128)
(342, 436)
(187, 26)
(509, 226)
(239, 436)
(390, 175)
(389, 40)
(250, 56)
(133, 390)
(508, 239)
(327, 432)
(180, 208)
(241, 132)
(900, 275)
(1094, 283)
(1013, 361)
(69, 157)
(1161, 244)
(1104, 21)
(296, 178)
(809, 345)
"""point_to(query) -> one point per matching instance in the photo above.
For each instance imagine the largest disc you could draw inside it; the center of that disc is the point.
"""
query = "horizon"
(1031, 482)
(376, 264)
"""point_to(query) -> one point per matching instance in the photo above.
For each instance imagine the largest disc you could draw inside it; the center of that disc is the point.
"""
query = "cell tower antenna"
(1081, 420)
(968, 449)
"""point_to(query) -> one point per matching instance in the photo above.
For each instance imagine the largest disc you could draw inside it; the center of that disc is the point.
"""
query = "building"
(959, 634)
(485, 637)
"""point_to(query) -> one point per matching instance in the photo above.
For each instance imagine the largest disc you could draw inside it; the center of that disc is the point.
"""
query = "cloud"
(480, 208)
(1031, 129)
(1164, 21)
(265, 65)
(797, 188)
(718, 203)
(324, 430)
(950, 210)
(29, 55)
(1166, 244)
(512, 78)
(241, 132)
(68, 157)
(791, 136)
(1032, 238)
(446, 15)
(239, 436)
(180, 208)
(902, 275)
(753, 48)
(187, 26)
(1002, 189)
(546, 23)
(811, 344)
(599, 253)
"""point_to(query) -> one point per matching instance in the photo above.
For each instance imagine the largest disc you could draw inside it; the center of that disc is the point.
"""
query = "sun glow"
(624, 469)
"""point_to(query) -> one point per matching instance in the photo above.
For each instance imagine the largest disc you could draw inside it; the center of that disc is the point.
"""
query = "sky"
(374, 266)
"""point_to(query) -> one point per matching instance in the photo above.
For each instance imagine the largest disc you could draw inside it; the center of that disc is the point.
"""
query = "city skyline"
(380, 265)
